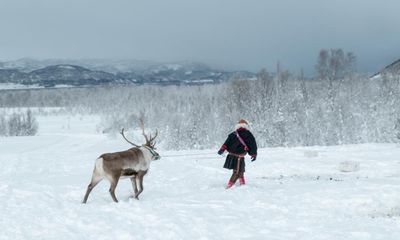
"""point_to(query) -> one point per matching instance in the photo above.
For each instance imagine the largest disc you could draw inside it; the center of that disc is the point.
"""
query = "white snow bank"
(349, 166)
(311, 153)
(10, 86)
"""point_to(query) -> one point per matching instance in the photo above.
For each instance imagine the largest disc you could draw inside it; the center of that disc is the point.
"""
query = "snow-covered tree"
(337, 107)
(19, 124)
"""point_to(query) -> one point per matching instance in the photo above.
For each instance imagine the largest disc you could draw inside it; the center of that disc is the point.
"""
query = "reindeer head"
(150, 143)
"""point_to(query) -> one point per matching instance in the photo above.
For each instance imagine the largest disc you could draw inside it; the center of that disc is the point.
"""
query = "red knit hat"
(243, 121)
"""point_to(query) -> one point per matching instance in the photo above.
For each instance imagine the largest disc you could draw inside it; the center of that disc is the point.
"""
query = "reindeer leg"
(139, 186)
(134, 185)
(95, 180)
(114, 183)
(139, 182)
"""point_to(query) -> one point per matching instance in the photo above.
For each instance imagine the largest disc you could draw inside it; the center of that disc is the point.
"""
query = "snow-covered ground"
(15, 86)
(341, 192)
(9, 86)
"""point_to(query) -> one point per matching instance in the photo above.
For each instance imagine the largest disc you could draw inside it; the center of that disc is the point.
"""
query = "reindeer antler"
(122, 133)
(150, 139)
(142, 127)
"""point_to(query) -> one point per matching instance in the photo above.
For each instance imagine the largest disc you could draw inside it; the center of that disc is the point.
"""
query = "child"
(238, 143)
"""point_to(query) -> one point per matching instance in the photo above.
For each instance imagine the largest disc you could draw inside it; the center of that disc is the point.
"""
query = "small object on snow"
(311, 153)
(349, 166)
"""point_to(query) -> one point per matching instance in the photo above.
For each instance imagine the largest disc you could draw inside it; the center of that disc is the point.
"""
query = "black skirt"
(231, 162)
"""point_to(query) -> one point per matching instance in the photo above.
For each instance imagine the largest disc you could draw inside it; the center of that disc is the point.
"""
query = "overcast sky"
(241, 34)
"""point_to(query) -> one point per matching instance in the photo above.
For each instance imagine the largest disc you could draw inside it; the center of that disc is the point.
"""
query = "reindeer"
(132, 163)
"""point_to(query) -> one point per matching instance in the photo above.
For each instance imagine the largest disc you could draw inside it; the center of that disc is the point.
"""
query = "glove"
(221, 151)
(253, 158)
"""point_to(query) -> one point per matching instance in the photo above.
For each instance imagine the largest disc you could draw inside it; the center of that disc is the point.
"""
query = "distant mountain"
(107, 65)
(76, 75)
(68, 75)
(188, 72)
(393, 68)
(12, 76)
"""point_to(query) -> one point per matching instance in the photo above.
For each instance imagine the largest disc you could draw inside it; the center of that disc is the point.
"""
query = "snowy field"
(341, 192)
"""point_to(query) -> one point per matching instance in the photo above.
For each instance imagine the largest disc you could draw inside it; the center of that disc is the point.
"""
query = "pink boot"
(242, 181)
(230, 184)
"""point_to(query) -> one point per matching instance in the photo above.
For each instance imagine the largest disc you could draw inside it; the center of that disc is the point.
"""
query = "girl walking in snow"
(238, 144)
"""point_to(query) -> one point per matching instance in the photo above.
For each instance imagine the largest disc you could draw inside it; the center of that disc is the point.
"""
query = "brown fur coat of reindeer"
(132, 163)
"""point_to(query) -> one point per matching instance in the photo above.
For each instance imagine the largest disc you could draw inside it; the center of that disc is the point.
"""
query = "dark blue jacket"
(233, 144)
